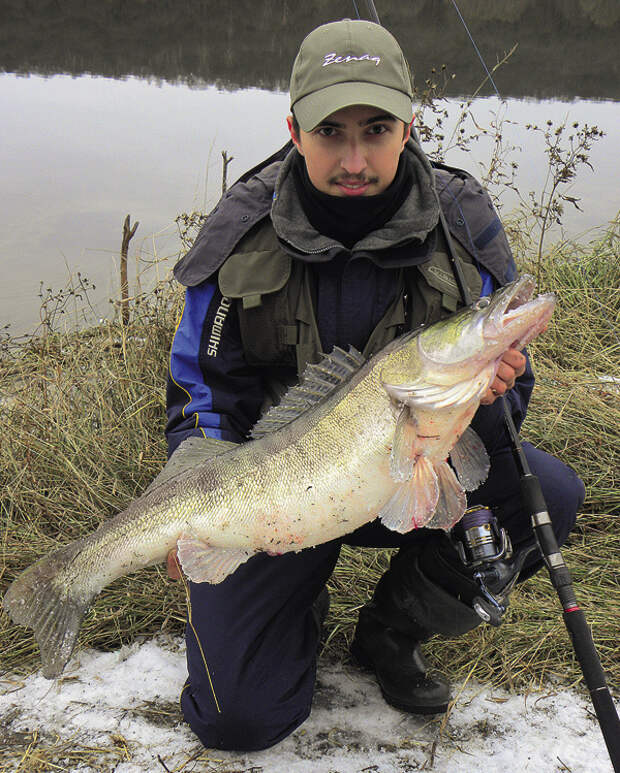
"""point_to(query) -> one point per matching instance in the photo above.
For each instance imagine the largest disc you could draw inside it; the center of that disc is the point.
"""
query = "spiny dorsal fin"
(191, 452)
(317, 382)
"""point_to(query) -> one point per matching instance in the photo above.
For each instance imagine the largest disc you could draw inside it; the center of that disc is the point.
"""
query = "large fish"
(355, 440)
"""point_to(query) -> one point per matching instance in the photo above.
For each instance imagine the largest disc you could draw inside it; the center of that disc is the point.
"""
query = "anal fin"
(203, 563)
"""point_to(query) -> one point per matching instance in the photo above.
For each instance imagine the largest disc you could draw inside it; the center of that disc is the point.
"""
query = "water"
(128, 112)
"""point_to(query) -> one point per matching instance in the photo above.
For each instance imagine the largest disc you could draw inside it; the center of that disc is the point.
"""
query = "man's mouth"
(353, 186)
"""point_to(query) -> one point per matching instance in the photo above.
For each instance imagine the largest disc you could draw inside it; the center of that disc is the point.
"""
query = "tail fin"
(39, 599)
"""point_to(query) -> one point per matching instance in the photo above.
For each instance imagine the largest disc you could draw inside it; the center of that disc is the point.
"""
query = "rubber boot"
(399, 667)
(410, 605)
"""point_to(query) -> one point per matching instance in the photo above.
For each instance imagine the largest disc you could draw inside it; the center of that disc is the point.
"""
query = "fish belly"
(328, 482)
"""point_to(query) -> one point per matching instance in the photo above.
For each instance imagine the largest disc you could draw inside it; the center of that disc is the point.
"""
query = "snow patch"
(131, 697)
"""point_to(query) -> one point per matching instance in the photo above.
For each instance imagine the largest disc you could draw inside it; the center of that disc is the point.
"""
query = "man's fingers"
(496, 389)
(514, 359)
(504, 378)
(511, 366)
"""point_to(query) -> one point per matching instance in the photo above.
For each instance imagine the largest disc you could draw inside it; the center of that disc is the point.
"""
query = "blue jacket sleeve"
(211, 391)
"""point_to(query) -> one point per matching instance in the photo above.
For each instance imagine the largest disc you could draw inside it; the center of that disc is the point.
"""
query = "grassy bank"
(83, 417)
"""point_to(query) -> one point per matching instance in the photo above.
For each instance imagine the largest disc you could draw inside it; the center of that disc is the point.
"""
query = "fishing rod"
(574, 618)
(534, 504)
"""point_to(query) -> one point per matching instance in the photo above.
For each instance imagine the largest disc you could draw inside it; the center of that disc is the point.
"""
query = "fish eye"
(481, 303)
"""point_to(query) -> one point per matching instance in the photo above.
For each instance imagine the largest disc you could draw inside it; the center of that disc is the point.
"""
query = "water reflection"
(566, 47)
(79, 153)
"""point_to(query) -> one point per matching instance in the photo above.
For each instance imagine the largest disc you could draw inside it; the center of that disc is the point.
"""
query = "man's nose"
(353, 160)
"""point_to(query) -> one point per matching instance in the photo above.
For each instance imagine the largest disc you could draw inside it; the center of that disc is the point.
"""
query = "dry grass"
(574, 414)
(83, 417)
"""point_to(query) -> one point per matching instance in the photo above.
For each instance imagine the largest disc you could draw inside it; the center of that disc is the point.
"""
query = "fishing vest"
(276, 311)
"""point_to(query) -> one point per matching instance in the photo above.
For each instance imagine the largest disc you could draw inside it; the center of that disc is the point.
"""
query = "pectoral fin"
(203, 563)
(451, 502)
(470, 460)
(414, 500)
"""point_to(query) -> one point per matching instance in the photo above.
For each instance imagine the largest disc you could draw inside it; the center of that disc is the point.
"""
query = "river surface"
(110, 110)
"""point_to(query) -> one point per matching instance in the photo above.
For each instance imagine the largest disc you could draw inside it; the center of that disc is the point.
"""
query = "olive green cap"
(349, 62)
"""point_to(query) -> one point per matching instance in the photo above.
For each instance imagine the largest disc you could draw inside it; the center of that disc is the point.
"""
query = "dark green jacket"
(258, 272)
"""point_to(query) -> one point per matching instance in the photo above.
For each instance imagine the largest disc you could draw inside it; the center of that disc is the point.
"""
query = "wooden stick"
(226, 159)
(128, 233)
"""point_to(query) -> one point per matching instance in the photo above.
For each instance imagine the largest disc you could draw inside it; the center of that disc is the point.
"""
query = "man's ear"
(407, 132)
(291, 131)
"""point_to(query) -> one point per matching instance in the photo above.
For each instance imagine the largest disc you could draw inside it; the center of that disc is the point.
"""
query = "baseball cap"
(349, 62)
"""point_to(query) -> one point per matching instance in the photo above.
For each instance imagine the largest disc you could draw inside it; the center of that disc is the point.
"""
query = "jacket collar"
(468, 210)
(410, 227)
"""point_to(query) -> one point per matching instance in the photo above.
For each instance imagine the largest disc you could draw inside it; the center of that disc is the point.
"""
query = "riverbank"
(105, 717)
(84, 419)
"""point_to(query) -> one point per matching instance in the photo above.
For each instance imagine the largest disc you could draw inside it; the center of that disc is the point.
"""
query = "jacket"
(265, 293)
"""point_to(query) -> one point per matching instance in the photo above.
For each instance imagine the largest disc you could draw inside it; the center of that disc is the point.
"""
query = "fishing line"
(195, 632)
(373, 11)
(477, 50)
(374, 16)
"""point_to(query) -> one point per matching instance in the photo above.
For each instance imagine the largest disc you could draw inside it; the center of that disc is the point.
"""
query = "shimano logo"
(218, 324)
(333, 58)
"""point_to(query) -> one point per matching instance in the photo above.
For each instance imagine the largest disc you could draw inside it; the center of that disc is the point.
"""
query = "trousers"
(259, 636)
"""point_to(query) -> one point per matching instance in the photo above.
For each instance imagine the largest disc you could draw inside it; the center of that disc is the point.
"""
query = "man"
(336, 241)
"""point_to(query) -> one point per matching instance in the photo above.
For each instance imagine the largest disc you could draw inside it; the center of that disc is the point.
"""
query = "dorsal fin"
(317, 382)
(191, 452)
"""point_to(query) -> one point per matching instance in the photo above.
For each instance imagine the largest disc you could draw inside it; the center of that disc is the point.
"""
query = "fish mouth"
(518, 310)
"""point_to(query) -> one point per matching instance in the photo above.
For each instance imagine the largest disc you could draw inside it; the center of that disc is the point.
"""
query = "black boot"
(399, 667)
(411, 603)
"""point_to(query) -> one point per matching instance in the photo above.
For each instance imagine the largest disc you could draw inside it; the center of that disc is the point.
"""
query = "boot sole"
(411, 708)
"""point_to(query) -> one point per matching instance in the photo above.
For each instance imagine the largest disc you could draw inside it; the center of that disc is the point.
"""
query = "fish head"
(469, 344)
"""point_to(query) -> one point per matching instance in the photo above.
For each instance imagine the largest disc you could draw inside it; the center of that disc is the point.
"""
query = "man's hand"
(173, 566)
(511, 366)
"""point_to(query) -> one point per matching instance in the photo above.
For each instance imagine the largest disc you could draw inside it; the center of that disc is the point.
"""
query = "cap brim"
(315, 107)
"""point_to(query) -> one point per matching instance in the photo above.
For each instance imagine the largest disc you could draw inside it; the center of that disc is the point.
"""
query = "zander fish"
(353, 441)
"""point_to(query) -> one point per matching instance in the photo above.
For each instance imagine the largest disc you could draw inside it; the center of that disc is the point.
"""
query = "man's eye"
(326, 131)
(377, 128)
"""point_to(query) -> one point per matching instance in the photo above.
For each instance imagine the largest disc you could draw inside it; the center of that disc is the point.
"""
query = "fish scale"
(355, 440)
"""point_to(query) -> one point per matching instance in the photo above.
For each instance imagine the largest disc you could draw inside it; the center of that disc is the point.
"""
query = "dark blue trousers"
(258, 633)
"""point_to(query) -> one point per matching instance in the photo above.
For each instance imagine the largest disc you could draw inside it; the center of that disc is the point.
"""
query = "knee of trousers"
(248, 722)
(562, 489)
(564, 494)
(568, 499)
(421, 595)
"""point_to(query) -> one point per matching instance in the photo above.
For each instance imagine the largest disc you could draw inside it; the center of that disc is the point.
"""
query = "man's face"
(353, 152)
